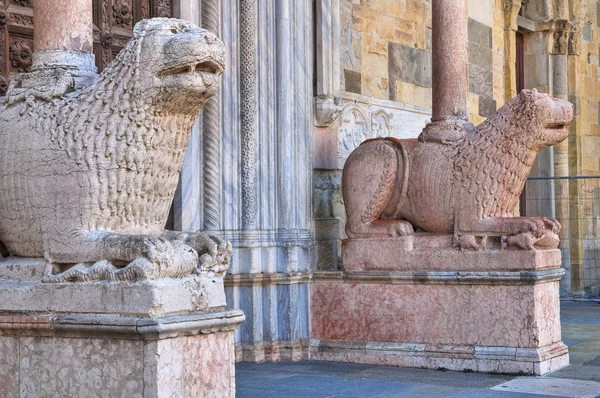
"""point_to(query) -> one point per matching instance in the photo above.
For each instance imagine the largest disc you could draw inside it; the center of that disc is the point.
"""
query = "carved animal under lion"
(87, 175)
(466, 184)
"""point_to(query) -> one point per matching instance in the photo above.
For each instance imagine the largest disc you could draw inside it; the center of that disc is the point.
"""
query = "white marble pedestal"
(165, 338)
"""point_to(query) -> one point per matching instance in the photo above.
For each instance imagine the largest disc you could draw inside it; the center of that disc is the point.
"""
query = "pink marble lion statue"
(467, 185)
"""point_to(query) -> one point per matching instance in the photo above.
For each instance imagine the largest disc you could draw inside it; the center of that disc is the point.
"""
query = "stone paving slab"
(433, 377)
(553, 387)
(312, 386)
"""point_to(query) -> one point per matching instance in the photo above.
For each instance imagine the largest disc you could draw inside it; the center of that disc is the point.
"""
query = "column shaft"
(63, 25)
(449, 60)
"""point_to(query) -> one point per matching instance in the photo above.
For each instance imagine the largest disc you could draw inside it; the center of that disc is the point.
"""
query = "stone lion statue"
(87, 175)
(467, 185)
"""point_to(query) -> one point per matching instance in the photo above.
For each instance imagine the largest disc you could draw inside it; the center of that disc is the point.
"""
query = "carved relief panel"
(16, 38)
(113, 24)
(114, 21)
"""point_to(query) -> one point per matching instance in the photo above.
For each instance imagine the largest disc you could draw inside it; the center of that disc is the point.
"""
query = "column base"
(465, 358)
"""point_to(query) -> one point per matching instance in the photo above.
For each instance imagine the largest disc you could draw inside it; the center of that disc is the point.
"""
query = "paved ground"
(581, 332)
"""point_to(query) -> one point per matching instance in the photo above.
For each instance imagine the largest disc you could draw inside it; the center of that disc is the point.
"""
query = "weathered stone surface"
(485, 326)
(434, 253)
(480, 56)
(156, 298)
(487, 107)
(51, 367)
(9, 366)
(479, 33)
(353, 81)
(194, 366)
(457, 179)
(481, 81)
(409, 65)
(105, 159)
(104, 356)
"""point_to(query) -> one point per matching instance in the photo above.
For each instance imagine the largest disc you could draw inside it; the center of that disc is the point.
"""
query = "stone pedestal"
(145, 339)
(416, 301)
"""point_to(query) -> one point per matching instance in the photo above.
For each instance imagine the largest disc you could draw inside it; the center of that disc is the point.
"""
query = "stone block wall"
(386, 49)
(584, 156)
(385, 84)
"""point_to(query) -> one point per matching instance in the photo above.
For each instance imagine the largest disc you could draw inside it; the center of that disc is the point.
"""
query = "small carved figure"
(467, 185)
(87, 176)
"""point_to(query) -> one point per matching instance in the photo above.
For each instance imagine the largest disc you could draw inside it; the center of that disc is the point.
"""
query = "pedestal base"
(503, 321)
(164, 338)
(179, 356)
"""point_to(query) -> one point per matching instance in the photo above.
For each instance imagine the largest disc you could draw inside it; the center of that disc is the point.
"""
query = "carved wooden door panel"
(16, 38)
(114, 21)
(113, 24)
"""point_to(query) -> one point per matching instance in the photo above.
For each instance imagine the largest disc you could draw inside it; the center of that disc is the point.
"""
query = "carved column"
(267, 118)
(61, 25)
(327, 96)
(249, 120)
(449, 60)
(63, 36)
(560, 89)
(211, 134)
(511, 11)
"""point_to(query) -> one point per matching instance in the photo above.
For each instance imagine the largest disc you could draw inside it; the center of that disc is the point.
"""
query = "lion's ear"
(528, 95)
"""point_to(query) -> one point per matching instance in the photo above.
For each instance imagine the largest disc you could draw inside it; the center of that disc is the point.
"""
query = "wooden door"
(113, 24)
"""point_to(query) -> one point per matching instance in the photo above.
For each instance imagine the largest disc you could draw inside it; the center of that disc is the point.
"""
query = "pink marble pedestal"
(423, 304)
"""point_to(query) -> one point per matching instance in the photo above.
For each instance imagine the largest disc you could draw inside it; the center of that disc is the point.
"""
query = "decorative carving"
(20, 54)
(4, 17)
(3, 85)
(21, 20)
(211, 134)
(24, 3)
(358, 124)
(122, 12)
(327, 110)
(164, 8)
(249, 120)
(356, 127)
(381, 124)
(575, 40)
(561, 37)
(110, 154)
(467, 186)
(106, 39)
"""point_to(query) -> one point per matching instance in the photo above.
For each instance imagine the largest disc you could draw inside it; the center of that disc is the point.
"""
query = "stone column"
(511, 10)
(211, 133)
(63, 37)
(449, 72)
(449, 46)
(267, 118)
(248, 111)
(570, 239)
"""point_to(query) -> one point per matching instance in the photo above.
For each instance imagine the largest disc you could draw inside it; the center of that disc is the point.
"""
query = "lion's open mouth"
(556, 125)
(201, 67)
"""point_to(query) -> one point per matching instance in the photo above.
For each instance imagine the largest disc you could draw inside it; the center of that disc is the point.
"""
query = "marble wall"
(250, 178)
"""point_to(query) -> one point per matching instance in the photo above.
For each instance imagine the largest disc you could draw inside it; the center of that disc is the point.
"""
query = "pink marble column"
(449, 58)
(63, 25)
(63, 39)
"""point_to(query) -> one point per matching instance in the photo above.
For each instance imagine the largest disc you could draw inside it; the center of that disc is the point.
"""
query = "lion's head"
(170, 62)
(544, 120)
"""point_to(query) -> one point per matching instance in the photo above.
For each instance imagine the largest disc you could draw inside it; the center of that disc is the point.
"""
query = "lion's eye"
(174, 31)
